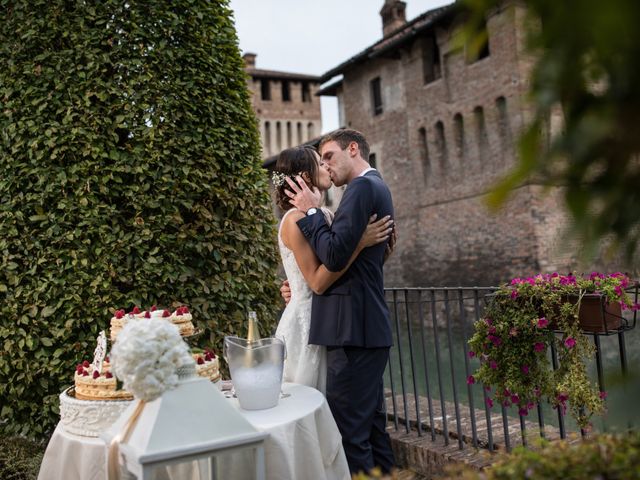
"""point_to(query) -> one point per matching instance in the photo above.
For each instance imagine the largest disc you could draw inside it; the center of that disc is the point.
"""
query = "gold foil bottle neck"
(253, 335)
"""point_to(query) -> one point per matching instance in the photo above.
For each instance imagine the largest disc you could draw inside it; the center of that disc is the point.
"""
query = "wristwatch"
(312, 211)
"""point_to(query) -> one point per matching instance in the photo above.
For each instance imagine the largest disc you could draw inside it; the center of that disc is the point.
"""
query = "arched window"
(441, 146)
(481, 134)
(279, 136)
(310, 131)
(289, 139)
(504, 129)
(267, 137)
(424, 154)
(458, 137)
(300, 139)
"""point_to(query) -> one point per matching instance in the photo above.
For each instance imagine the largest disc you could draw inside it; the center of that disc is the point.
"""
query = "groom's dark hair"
(343, 137)
(291, 162)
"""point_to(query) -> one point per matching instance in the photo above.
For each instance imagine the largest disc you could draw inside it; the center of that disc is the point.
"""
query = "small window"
(481, 134)
(458, 136)
(480, 48)
(286, 91)
(289, 136)
(279, 136)
(311, 133)
(424, 154)
(372, 160)
(376, 96)
(306, 92)
(431, 60)
(265, 89)
(300, 139)
(267, 137)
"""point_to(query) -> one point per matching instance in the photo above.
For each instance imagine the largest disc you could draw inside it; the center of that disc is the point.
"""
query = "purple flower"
(471, 380)
(472, 354)
(525, 369)
(515, 398)
(603, 395)
(492, 364)
(497, 341)
(570, 343)
(539, 347)
(506, 403)
(542, 322)
(489, 402)
(530, 406)
(487, 388)
(523, 412)
(563, 397)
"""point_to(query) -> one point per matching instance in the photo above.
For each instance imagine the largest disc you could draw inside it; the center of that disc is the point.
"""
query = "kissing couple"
(336, 324)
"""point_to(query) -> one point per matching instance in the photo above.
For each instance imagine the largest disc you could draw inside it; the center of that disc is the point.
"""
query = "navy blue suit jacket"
(353, 311)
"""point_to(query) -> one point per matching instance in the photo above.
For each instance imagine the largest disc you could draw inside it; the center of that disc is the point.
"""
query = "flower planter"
(596, 315)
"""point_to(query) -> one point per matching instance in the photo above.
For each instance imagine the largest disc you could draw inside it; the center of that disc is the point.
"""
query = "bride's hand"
(377, 231)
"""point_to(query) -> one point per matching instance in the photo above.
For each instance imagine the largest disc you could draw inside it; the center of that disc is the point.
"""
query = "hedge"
(131, 175)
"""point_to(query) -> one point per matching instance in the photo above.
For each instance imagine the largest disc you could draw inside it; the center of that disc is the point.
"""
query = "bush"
(603, 456)
(131, 175)
(19, 458)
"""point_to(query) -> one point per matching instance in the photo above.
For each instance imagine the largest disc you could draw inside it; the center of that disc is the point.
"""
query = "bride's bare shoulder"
(289, 221)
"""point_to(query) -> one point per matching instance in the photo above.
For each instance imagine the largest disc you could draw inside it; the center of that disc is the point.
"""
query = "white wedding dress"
(305, 364)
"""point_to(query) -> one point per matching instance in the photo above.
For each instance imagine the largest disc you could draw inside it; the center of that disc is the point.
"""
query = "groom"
(351, 318)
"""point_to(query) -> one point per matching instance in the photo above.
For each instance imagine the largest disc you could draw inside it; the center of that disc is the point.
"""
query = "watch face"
(312, 211)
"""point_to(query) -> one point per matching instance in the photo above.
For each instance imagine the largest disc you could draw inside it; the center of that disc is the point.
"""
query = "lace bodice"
(299, 288)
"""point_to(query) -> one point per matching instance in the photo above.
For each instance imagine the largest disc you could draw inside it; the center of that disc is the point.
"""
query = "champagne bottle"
(253, 335)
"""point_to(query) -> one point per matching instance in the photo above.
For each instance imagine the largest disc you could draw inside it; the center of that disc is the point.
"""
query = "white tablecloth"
(303, 443)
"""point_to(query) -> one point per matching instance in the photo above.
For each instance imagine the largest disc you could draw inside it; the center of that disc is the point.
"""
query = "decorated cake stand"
(88, 418)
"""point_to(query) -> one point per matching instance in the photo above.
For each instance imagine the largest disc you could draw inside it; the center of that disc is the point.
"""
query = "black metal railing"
(426, 379)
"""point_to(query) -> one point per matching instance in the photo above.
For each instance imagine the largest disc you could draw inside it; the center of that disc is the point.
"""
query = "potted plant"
(512, 340)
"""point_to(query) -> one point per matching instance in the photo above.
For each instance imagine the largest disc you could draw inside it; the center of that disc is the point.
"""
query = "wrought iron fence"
(426, 378)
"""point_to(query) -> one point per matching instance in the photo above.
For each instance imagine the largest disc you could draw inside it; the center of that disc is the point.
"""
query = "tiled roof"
(396, 38)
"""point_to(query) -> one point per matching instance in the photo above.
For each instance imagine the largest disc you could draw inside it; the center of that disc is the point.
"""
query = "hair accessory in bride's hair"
(278, 178)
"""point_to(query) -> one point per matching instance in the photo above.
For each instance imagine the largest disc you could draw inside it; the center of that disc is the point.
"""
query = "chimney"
(393, 16)
(249, 60)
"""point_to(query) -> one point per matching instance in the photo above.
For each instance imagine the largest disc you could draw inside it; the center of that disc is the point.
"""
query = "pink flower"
(603, 395)
(525, 369)
(537, 391)
(542, 322)
(489, 403)
(530, 406)
(563, 397)
(497, 341)
(515, 398)
(471, 380)
(472, 354)
(492, 364)
(506, 403)
(570, 343)
(539, 347)
(523, 412)
(514, 294)
(487, 388)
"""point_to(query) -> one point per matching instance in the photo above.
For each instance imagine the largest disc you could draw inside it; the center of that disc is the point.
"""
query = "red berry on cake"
(120, 314)
(106, 359)
(85, 373)
(135, 310)
(96, 374)
(147, 314)
(79, 369)
(108, 375)
(154, 308)
(166, 313)
(86, 364)
(185, 309)
(200, 360)
(179, 311)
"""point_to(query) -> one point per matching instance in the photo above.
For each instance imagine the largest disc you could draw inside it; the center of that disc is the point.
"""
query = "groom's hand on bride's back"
(285, 291)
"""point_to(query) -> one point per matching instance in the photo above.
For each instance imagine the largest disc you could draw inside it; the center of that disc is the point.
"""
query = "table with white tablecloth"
(303, 443)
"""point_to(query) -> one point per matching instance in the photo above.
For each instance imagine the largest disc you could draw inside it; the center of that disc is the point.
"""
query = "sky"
(313, 36)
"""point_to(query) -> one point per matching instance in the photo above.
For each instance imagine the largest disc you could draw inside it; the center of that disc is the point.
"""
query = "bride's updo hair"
(291, 162)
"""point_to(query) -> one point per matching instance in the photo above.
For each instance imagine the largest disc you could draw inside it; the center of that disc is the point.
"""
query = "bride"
(306, 364)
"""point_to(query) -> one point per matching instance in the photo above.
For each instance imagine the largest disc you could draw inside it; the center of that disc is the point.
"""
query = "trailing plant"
(131, 175)
(513, 338)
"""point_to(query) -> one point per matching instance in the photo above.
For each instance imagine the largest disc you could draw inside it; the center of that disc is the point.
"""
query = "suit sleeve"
(334, 245)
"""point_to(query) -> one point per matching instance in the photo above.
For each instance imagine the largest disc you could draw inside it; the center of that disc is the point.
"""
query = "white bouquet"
(147, 356)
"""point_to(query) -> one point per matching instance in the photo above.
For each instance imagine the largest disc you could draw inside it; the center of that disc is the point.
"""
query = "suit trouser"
(355, 396)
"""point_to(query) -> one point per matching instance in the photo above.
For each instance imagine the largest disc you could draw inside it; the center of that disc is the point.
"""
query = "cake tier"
(89, 418)
(209, 368)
